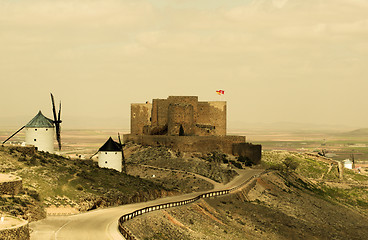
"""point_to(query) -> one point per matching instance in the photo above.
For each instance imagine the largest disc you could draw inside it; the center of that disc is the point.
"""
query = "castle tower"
(110, 155)
(40, 133)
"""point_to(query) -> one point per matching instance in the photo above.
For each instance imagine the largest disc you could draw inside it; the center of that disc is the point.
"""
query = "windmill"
(110, 155)
(39, 131)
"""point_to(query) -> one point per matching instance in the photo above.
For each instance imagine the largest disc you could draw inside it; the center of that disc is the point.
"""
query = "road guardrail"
(129, 235)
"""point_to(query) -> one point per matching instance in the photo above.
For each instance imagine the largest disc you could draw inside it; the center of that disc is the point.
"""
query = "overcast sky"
(277, 60)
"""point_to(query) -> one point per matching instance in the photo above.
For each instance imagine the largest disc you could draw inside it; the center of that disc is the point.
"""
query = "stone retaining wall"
(19, 232)
(11, 186)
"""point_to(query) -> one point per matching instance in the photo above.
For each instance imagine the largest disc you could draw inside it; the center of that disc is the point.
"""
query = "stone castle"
(183, 123)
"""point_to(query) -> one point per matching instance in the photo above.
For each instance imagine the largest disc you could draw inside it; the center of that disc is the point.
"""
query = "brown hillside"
(277, 207)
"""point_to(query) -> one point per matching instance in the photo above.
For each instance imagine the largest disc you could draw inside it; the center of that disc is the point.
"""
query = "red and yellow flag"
(220, 92)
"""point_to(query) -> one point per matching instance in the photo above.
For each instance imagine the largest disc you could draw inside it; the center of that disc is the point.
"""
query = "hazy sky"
(277, 60)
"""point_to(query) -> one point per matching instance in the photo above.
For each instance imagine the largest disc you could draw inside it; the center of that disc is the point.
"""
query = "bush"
(247, 162)
(290, 164)
(33, 161)
(217, 157)
(34, 194)
(236, 164)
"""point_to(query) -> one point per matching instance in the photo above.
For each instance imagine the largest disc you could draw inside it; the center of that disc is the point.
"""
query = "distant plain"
(339, 145)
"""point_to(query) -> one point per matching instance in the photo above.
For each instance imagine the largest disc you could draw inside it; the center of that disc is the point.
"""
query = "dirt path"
(216, 185)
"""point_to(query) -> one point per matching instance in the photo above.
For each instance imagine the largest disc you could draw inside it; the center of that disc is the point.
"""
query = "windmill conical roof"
(110, 146)
(40, 121)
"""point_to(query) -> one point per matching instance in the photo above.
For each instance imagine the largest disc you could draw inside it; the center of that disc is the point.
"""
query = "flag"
(220, 92)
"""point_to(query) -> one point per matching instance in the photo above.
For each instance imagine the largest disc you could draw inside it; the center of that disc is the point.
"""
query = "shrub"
(33, 161)
(34, 194)
(290, 164)
(236, 164)
(247, 161)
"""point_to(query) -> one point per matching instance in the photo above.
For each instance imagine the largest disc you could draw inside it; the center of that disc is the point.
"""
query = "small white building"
(110, 155)
(40, 133)
(348, 164)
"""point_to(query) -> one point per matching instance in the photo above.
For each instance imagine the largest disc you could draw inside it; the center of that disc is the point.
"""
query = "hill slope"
(52, 180)
(277, 207)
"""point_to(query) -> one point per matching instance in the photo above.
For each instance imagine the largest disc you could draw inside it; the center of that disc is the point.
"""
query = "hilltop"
(361, 132)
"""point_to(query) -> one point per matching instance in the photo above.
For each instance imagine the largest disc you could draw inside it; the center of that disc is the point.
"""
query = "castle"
(185, 124)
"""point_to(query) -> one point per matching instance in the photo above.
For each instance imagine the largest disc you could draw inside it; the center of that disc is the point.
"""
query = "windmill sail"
(13, 134)
(122, 154)
(57, 120)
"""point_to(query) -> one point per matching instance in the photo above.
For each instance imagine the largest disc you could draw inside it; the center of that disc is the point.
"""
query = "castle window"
(47, 129)
(35, 129)
(105, 152)
(116, 153)
(106, 162)
(35, 140)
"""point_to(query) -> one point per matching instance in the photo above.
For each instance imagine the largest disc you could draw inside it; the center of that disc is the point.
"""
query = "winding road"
(103, 223)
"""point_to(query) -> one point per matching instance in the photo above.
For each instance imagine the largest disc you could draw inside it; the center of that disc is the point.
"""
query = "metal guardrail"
(129, 235)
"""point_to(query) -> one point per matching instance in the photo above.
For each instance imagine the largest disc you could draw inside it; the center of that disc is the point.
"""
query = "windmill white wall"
(109, 159)
(42, 138)
(40, 133)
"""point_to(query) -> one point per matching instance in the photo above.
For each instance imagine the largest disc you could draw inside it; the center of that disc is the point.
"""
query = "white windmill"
(110, 155)
(40, 130)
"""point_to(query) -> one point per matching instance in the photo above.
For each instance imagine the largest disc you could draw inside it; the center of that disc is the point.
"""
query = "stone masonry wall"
(180, 115)
(188, 143)
(140, 116)
(159, 112)
(11, 187)
(252, 152)
(19, 232)
(208, 118)
(211, 118)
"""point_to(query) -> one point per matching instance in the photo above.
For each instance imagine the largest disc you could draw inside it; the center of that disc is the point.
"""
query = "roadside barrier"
(129, 235)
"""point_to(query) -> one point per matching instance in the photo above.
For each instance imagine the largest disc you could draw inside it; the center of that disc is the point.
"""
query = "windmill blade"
(56, 120)
(13, 135)
(119, 139)
(53, 107)
(58, 138)
(59, 114)
(122, 154)
(93, 155)
(58, 128)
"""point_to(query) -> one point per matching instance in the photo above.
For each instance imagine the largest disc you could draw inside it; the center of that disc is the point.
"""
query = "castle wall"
(166, 116)
(188, 143)
(252, 152)
(159, 112)
(189, 100)
(180, 115)
(211, 118)
(140, 116)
